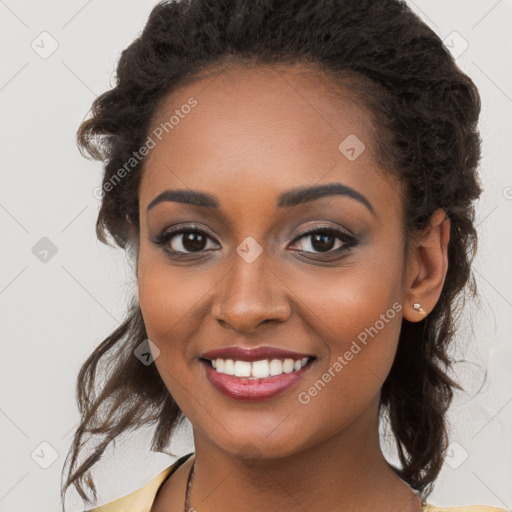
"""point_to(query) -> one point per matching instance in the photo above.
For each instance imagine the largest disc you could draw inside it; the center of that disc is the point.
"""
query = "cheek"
(360, 336)
(361, 306)
(172, 299)
(359, 340)
(356, 314)
(353, 297)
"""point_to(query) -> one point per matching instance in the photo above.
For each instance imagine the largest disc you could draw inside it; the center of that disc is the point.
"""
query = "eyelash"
(164, 238)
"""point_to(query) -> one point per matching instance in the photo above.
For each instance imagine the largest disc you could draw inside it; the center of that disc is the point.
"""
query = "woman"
(295, 182)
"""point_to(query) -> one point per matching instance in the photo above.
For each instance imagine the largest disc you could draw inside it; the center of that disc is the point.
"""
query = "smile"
(258, 369)
(252, 381)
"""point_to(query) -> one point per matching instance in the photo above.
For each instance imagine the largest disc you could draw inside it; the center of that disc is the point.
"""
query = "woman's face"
(246, 274)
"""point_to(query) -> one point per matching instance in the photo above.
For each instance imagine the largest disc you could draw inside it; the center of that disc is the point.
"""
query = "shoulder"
(141, 499)
(427, 507)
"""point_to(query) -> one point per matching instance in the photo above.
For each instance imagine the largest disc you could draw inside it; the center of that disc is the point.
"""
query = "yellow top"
(142, 499)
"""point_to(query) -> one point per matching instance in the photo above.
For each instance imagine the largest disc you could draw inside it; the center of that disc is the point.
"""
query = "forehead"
(265, 128)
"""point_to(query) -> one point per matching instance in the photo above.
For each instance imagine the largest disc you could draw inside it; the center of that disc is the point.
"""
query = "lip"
(252, 390)
(253, 354)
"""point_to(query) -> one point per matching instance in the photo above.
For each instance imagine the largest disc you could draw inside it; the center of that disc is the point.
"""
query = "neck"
(348, 470)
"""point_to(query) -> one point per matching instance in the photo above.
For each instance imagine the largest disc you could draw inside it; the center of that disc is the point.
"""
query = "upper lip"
(252, 354)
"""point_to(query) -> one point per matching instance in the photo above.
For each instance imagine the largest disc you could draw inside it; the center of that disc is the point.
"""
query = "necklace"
(189, 485)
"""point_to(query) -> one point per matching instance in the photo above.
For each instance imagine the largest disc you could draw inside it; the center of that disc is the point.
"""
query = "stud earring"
(418, 308)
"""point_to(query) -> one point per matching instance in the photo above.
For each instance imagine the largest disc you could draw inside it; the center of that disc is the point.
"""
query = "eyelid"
(326, 229)
(167, 234)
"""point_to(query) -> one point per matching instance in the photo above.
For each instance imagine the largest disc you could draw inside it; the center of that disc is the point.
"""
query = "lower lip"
(247, 390)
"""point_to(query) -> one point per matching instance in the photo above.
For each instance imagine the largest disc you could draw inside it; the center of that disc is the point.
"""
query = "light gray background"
(54, 313)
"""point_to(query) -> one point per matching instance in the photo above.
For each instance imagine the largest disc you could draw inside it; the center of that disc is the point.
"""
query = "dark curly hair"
(425, 112)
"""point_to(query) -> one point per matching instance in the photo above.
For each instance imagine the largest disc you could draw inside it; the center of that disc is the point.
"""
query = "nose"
(251, 294)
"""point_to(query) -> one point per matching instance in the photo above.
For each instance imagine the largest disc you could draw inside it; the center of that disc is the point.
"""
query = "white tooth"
(288, 366)
(242, 369)
(276, 367)
(260, 369)
(229, 367)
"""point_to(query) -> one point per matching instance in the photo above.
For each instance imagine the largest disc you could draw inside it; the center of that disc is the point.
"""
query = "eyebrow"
(287, 199)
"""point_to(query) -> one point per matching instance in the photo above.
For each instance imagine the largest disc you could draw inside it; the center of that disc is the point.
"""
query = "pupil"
(193, 242)
(321, 243)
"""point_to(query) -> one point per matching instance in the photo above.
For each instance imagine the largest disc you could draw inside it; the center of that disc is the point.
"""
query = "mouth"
(256, 379)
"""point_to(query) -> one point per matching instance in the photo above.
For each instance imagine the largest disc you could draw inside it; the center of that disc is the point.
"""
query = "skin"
(255, 133)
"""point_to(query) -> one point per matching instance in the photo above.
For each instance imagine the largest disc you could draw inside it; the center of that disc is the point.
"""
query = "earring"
(418, 308)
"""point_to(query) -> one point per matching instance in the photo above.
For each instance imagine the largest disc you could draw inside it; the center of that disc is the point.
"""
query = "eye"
(184, 240)
(325, 240)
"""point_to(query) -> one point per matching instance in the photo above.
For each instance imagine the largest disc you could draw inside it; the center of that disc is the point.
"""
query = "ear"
(427, 264)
